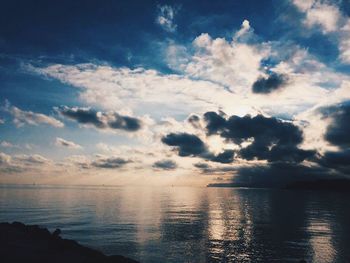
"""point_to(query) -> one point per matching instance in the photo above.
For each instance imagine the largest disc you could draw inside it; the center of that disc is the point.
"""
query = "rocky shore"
(31, 243)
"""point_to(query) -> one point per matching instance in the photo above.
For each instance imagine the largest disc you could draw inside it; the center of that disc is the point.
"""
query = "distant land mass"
(33, 244)
(342, 185)
(234, 185)
(324, 185)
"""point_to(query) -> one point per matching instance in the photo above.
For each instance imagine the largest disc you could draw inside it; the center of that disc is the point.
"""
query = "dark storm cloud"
(82, 115)
(191, 145)
(224, 157)
(187, 144)
(207, 169)
(271, 139)
(271, 83)
(279, 174)
(337, 161)
(165, 165)
(110, 162)
(275, 153)
(101, 120)
(277, 142)
(215, 122)
(338, 131)
(125, 123)
(284, 156)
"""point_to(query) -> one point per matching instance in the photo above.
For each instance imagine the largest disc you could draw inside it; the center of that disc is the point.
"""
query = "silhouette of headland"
(331, 185)
(31, 243)
(335, 185)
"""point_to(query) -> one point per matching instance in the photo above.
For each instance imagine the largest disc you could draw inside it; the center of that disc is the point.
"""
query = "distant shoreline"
(338, 185)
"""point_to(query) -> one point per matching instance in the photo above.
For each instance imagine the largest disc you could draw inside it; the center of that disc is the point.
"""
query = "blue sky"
(110, 88)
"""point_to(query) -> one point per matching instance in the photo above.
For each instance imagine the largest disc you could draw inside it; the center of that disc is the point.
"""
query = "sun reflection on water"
(189, 224)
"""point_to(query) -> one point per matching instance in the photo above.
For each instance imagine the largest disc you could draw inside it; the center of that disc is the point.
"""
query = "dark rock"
(31, 243)
(56, 233)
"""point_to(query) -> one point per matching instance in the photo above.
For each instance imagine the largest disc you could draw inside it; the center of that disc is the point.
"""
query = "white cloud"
(21, 117)
(68, 144)
(165, 18)
(326, 16)
(218, 74)
(202, 41)
(138, 90)
(245, 29)
(331, 20)
(6, 144)
(29, 146)
(303, 5)
(176, 56)
(23, 163)
(33, 159)
(231, 64)
(4, 158)
(344, 44)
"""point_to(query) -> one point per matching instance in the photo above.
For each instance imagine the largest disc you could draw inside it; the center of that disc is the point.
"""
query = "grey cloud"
(187, 144)
(279, 174)
(267, 85)
(337, 133)
(201, 165)
(194, 120)
(101, 120)
(165, 165)
(339, 161)
(215, 122)
(65, 143)
(224, 157)
(208, 169)
(110, 162)
(191, 145)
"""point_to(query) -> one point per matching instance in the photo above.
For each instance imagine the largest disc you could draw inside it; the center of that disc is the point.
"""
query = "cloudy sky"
(146, 92)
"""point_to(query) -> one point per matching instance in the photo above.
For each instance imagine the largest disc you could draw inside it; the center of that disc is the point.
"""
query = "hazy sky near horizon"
(117, 92)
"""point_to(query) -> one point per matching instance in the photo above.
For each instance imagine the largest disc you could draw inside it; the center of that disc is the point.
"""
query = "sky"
(174, 92)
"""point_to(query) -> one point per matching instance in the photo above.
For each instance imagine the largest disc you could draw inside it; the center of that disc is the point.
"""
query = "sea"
(190, 224)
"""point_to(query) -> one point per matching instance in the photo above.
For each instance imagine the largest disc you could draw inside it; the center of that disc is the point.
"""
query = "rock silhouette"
(31, 243)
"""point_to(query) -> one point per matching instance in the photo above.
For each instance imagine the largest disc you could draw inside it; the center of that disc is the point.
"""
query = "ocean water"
(189, 224)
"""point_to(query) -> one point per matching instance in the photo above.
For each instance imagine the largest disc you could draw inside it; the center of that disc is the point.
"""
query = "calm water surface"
(188, 224)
